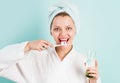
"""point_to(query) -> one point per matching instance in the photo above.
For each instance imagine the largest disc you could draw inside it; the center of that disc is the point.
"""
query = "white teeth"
(63, 42)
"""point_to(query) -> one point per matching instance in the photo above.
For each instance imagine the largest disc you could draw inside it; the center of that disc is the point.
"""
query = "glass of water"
(90, 62)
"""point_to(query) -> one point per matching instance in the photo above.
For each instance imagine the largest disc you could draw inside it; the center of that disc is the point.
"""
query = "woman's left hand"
(93, 73)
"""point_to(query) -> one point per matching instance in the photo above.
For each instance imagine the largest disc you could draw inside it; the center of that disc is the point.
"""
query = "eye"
(56, 29)
(69, 28)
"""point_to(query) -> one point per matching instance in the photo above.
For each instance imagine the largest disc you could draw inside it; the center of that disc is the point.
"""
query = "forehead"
(63, 20)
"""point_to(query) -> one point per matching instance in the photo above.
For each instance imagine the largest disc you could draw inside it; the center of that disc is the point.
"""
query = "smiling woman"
(63, 30)
(41, 62)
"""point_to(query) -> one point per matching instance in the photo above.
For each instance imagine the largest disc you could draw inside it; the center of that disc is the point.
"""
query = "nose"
(63, 33)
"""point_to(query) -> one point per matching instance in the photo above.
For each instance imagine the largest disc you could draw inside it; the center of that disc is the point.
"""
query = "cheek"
(72, 34)
(55, 35)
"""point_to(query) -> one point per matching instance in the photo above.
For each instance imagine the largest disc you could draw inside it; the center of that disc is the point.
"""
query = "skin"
(93, 71)
(37, 45)
(62, 28)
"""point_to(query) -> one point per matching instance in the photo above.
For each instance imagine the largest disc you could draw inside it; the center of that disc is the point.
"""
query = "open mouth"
(63, 41)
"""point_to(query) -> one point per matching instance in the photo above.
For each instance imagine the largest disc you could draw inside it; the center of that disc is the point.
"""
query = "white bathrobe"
(42, 67)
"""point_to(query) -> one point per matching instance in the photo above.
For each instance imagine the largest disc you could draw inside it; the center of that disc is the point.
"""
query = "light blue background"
(26, 20)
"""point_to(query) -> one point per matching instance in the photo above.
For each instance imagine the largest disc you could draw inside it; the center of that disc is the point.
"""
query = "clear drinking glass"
(90, 62)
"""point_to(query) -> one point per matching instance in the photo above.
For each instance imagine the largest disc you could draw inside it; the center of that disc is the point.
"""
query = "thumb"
(96, 63)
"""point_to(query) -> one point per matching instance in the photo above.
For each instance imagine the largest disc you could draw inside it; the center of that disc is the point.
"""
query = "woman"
(51, 64)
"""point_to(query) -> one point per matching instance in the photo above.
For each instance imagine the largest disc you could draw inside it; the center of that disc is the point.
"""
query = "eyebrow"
(59, 26)
(55, 26)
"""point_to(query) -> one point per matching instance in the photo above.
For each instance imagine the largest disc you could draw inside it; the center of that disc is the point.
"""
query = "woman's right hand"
(37, 45)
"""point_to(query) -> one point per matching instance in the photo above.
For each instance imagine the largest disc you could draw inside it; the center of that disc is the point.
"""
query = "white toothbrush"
(62, 44)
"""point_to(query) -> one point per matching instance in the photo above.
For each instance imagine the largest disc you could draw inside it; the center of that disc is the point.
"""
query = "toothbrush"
(62, 44)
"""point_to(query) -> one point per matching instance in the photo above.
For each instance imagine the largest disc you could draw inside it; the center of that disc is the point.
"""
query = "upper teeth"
(63, 41)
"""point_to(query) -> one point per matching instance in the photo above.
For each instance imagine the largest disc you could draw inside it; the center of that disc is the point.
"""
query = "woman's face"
(63, 29)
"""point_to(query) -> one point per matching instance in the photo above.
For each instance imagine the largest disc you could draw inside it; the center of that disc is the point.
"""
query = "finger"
(91, 72)
(96, 64)
(47, 43)
(92, 75)
(44, 45)
(92, 69)
(41, 48)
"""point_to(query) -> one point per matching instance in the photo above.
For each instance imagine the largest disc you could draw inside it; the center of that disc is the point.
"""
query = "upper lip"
(63, 39)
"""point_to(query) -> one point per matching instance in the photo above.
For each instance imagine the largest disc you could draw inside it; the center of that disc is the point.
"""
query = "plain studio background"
(26, 20)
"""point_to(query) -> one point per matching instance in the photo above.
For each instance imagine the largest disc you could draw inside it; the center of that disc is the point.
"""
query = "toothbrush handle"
(59, 45)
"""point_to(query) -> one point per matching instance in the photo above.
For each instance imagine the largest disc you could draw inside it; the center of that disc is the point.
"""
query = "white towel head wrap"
(65, 6)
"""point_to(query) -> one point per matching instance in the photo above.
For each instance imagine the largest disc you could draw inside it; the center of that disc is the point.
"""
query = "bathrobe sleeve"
(9, 55)
(99, 80)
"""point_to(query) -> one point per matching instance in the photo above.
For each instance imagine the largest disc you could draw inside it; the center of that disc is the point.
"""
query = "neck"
(63, 51)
